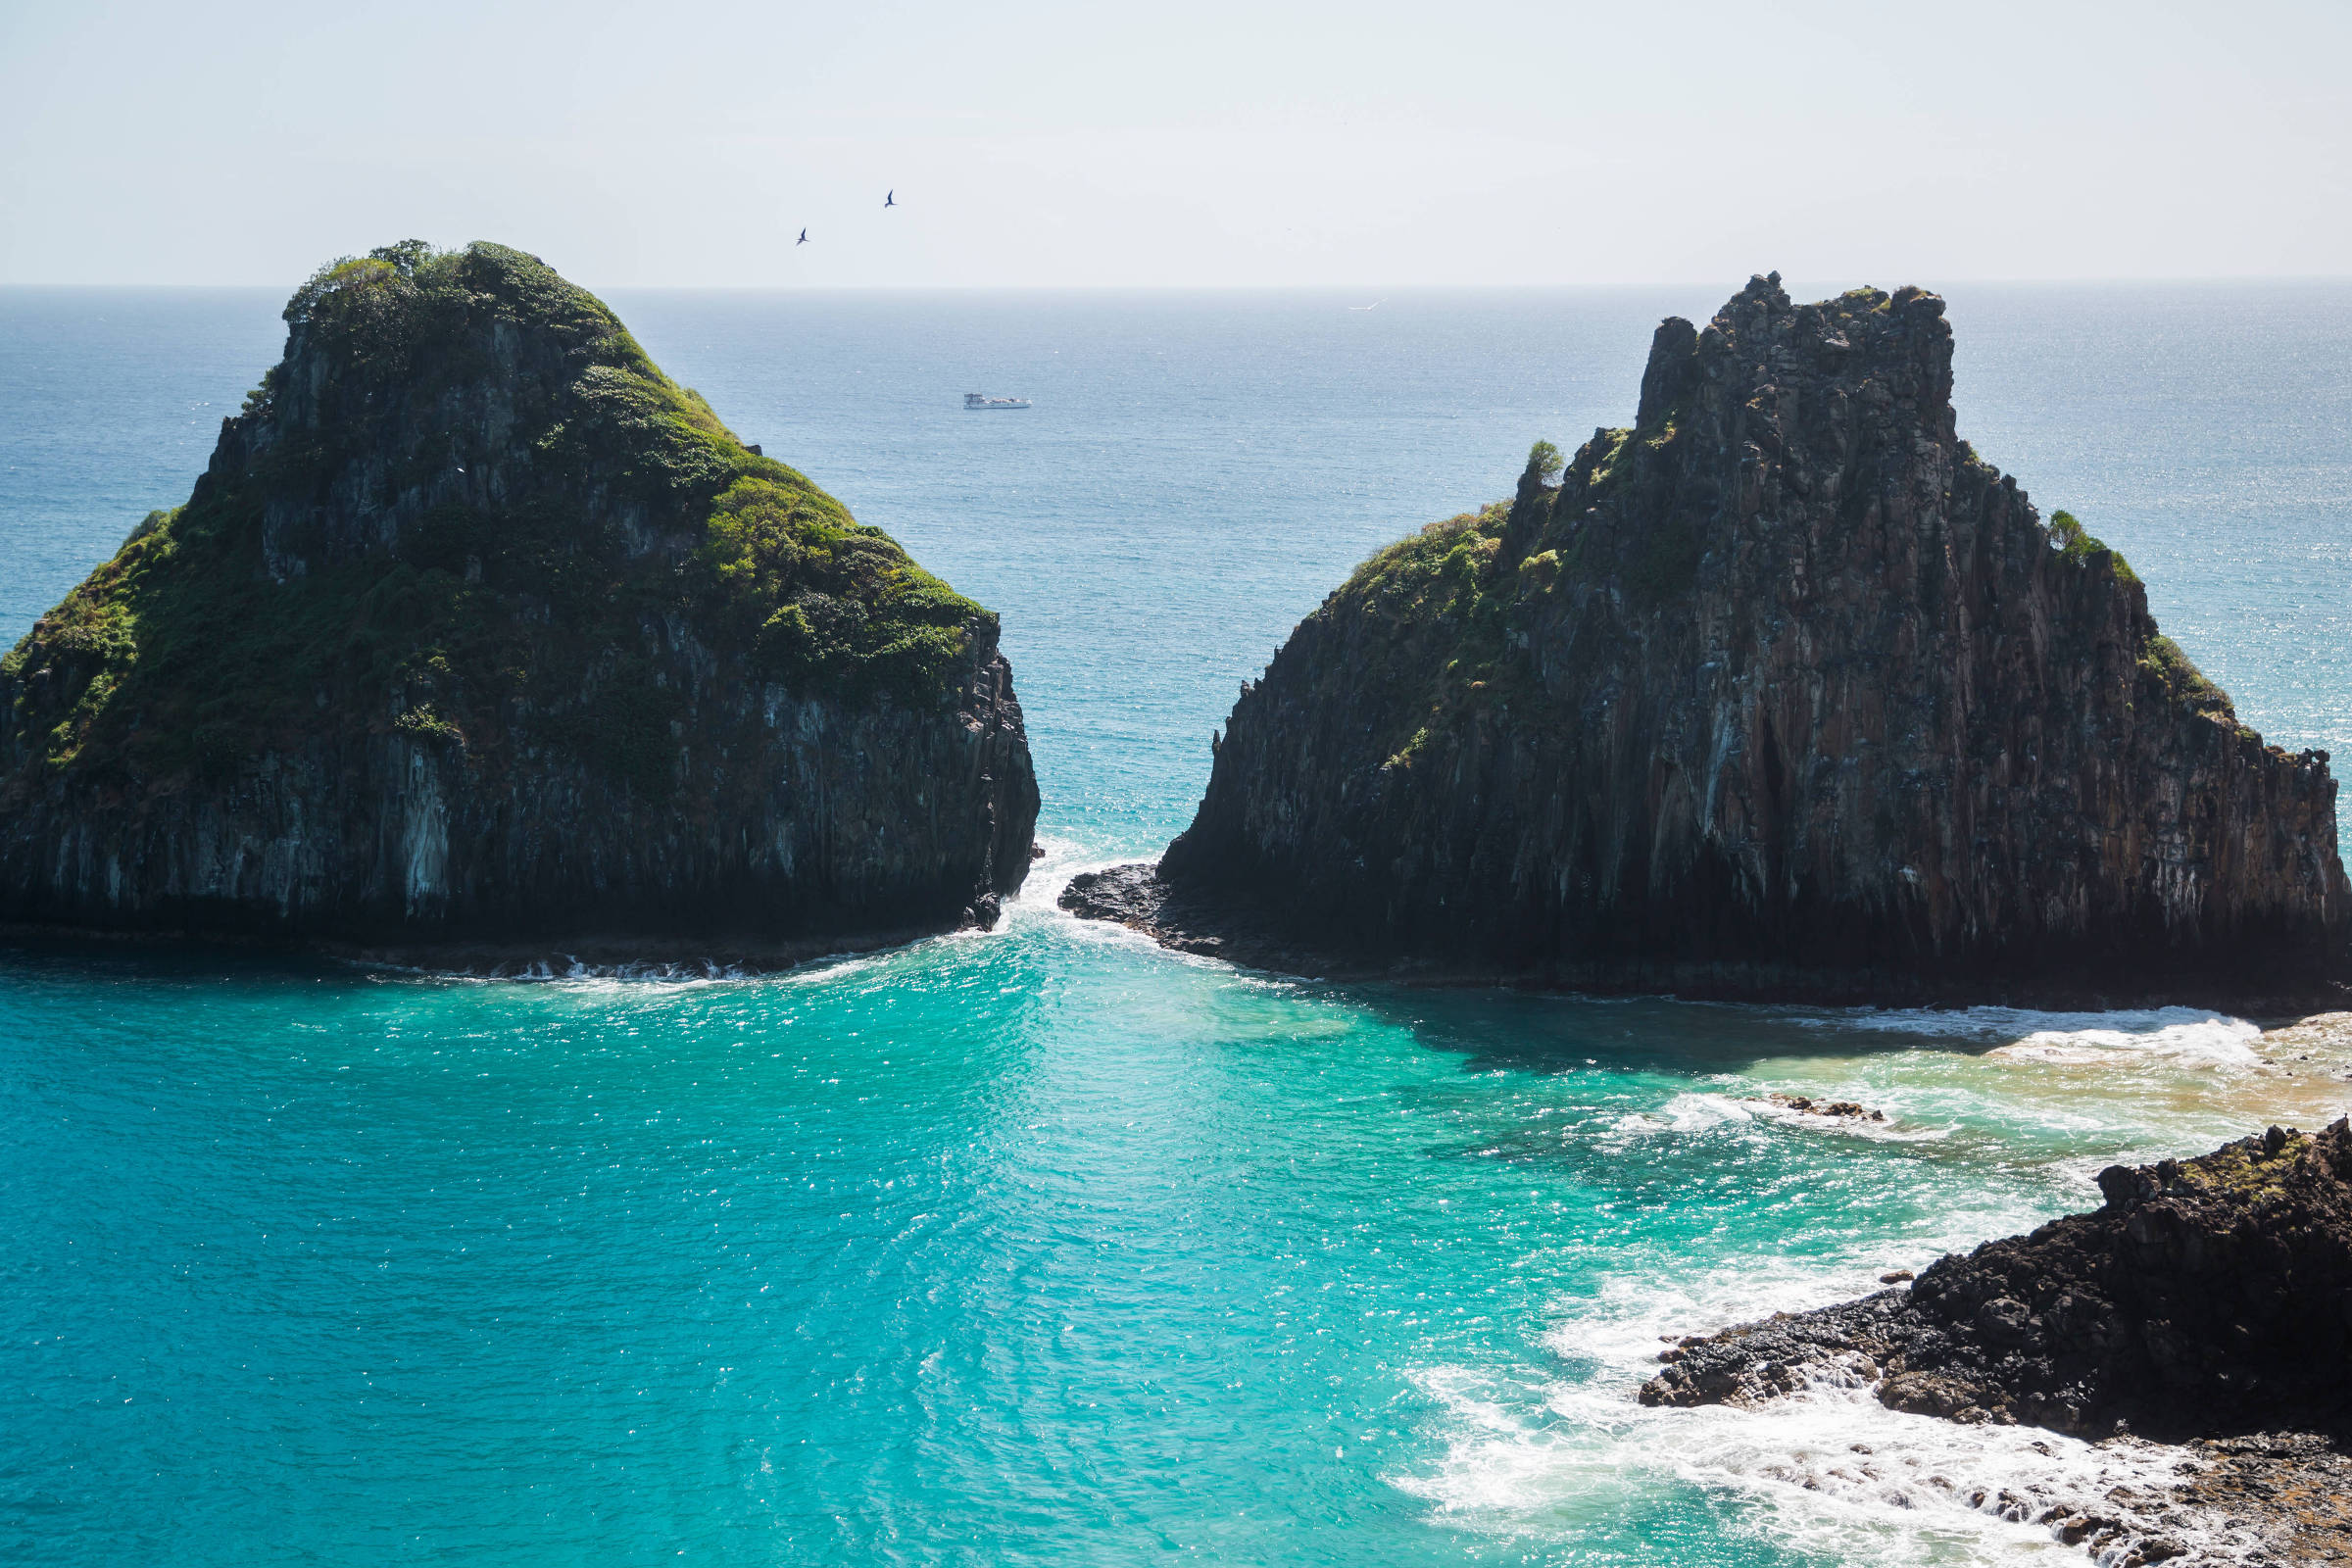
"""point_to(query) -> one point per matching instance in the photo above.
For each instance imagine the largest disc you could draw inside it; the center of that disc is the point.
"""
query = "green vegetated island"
(478, 630)
(1780, 692)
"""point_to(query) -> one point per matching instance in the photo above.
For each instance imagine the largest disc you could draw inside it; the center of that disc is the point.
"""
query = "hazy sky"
(1035, 142)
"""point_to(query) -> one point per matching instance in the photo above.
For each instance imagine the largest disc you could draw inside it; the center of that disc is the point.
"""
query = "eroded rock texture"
(478, 628)
(1782, 692)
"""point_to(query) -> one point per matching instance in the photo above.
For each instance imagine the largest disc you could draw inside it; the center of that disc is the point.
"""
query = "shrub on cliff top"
(2077, 548)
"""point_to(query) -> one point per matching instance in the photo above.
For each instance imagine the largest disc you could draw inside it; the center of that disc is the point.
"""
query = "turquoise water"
(1046, 1247)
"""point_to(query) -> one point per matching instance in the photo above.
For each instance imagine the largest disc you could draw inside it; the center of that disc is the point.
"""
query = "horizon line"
(2006, 281)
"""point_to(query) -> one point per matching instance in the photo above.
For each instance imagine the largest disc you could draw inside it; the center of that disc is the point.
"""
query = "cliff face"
(478, 627)
(1781, 691)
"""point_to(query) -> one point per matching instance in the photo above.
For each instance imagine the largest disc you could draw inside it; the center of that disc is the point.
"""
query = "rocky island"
(1780, 692)
(480, 630)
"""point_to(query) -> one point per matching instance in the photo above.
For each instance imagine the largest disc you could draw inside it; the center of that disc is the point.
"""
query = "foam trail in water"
(1699, 1111)
(2188, 1036)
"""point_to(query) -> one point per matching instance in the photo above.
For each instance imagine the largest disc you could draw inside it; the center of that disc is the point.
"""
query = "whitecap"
(2200, 1041)
(2176, 1036)
(1697, 1111)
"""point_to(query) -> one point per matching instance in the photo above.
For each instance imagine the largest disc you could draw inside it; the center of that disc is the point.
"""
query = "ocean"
(1045, 1246)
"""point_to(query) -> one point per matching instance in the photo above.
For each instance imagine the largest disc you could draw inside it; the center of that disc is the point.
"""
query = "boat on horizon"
(973, 401)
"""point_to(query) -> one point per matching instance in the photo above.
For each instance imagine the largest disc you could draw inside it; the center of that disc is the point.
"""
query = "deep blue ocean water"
(1047, 1247)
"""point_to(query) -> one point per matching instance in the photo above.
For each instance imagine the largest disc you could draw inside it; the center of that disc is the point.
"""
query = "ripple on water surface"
(1033, 1246)
(1047, 1247)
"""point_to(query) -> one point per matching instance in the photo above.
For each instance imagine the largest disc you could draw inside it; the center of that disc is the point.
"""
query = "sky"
(1037, 143)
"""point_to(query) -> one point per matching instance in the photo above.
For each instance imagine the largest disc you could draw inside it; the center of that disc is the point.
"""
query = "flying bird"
(803, 239)
(891, 200)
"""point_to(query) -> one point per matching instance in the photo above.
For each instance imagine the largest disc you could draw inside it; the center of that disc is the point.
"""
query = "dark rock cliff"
(1782, 692)
(479, 629)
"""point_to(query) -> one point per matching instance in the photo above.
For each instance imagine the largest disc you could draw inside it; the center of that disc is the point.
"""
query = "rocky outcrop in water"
(478, 630)
(2206, 1299)
(1781, 691)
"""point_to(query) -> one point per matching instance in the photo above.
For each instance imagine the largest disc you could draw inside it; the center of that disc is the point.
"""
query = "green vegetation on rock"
(1454, 596)
(829, 600)
(1444, 598)
(226, 624)
(1608, 448)
(2077, 548)
(2252, 1171)
(2183, 682)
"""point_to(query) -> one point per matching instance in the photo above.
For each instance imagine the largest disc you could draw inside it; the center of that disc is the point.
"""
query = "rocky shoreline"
(2290, 1491)
(2206, 1302)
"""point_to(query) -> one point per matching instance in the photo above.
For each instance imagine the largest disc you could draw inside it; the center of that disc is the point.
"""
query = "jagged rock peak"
(1781, 690)
(480, 627)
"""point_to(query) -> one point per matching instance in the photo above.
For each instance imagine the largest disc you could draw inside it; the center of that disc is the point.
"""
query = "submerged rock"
(1781, 692)
(1807, 1105)
(478, 630)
